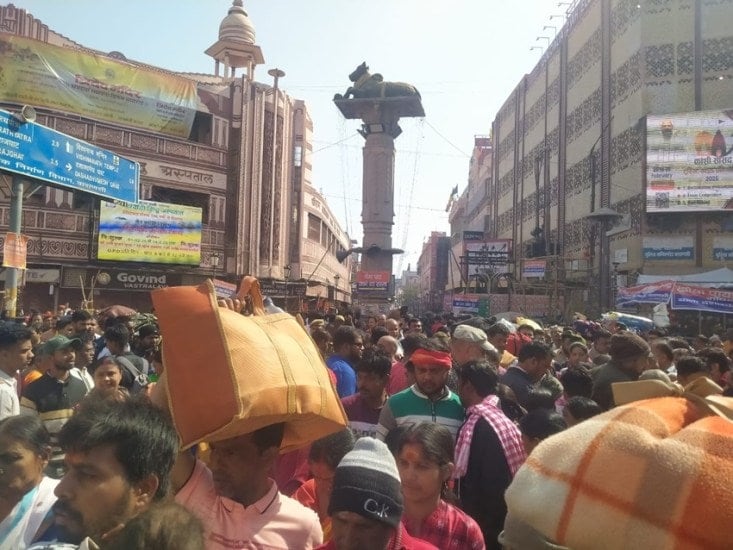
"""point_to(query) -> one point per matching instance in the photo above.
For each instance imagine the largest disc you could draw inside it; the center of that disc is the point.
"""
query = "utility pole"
(13, 273)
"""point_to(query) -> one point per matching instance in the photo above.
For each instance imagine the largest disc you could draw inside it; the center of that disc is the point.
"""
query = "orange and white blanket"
(653, 474)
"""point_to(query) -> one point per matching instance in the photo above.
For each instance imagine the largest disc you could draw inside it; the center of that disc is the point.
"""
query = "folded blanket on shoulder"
(652, 474)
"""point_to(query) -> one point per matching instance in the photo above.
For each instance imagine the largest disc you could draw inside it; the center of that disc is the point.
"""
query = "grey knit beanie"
(367, 483)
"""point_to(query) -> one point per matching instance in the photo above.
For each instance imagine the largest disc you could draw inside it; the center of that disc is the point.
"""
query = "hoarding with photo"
(689, 159)
(95, 86)
(151, 232)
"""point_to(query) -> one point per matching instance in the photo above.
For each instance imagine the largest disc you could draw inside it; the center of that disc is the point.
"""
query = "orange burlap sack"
(229, 375)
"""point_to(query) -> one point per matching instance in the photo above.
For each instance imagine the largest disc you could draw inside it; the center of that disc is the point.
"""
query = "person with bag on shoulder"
(134, 369)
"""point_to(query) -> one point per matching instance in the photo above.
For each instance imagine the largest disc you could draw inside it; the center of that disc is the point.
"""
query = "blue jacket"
(345, 375)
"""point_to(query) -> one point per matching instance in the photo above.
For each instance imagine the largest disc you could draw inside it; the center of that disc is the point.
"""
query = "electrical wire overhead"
(406, 227)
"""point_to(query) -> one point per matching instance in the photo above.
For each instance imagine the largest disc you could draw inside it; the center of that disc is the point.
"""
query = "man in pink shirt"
(239, 505)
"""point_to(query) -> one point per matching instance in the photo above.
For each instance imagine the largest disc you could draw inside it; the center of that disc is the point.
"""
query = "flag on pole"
(452, 198)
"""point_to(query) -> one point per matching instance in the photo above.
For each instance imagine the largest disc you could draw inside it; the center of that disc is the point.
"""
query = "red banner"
(15, 250)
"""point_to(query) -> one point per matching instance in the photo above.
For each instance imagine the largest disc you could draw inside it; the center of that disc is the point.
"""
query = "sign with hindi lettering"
(42, 153)
(533, 269)
(151, 232)
(492, 255)
(702, 299)
(651, 293)
(689, 160)
(95, 86)
(668, 248)
(371, 281)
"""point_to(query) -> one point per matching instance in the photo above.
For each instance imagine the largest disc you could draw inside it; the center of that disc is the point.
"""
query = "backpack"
(139, 379)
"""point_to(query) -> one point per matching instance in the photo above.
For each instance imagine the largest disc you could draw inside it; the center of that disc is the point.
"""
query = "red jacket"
(516, 341)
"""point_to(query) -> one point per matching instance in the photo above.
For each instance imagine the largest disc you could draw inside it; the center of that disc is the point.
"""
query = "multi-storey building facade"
(322, 239)
(432, 270)
(570, 145)
(470, 214)
(246, 163)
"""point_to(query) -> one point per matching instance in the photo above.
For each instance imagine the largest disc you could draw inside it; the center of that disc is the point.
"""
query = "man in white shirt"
(15, 355)
(83, 360)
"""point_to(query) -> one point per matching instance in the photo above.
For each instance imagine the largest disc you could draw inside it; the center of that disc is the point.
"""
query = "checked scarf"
(508, 433)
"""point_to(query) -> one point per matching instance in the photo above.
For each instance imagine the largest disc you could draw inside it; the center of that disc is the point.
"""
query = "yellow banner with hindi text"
(95, 86)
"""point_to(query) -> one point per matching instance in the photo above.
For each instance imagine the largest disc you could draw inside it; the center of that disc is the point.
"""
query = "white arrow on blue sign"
(38, 152)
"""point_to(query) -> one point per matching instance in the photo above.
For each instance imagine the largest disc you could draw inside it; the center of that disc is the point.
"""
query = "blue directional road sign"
(38, 152)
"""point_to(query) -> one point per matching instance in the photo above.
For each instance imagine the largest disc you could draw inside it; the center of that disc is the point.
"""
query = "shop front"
(38, 288)
(98, 288)
(287, 295)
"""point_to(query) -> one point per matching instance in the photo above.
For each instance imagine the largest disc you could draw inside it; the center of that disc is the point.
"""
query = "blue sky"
(465, 57)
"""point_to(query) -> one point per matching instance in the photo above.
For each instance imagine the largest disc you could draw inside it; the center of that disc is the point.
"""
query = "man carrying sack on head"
(237, 501)
(267, 392)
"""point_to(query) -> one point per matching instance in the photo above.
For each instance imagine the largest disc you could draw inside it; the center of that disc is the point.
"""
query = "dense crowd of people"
(442, 413)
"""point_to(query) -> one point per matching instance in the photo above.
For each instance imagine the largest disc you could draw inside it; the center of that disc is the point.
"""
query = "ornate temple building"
(240, 151)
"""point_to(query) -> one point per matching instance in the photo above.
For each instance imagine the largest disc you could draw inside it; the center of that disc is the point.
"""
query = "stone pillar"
(377, 210)
(380, 128)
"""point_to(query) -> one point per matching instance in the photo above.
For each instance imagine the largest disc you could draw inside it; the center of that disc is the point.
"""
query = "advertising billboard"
(491, 254)
(95, 86)
(151, 232)
(689, 162)
(131, 280)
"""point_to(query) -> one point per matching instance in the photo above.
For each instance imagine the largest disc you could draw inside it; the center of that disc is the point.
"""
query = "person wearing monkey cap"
(366, 502)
